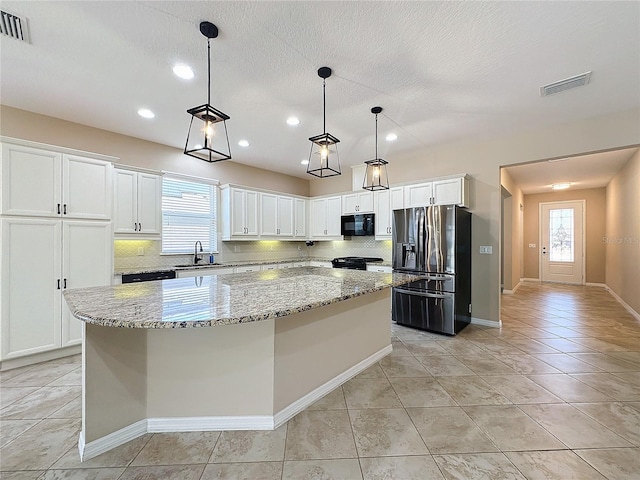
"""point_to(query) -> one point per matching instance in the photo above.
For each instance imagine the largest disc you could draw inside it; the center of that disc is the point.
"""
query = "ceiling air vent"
(566, 84)
(14, 26)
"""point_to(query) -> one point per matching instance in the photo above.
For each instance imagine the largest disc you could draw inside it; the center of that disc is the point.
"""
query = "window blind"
(188, 215)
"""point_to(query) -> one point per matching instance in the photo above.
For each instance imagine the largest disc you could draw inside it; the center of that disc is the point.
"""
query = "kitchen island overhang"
(282, 340)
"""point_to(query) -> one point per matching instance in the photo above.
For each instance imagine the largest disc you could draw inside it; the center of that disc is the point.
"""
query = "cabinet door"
(383, 213)
(448, 192)
(31, 181)
(125, 217)
(300, 229)
(334, 207)
(396, 198)
(349, 204)
(247, 268)
(149, 204)
(86, 188)
(251, 216)
(87, 256)
(365, 202)
(318, 217)
(268, 214)
(417, 195)
(237, 212)
(31, 299)
(285, 216)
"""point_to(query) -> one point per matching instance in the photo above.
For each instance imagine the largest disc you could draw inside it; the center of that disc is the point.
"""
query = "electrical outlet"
(236, 249)
(532, 245)
(486, 249)
(299, 248)
(140, 251)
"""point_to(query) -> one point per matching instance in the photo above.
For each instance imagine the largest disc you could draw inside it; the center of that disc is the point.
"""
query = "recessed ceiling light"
(293, 121)
(243, 143)
(304, 161)
(183, 71)
(146, 113)
(560, 186)
(391, 137)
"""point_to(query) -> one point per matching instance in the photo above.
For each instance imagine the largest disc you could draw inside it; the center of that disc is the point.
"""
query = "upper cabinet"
(325, 218)
(276, 215)
(357, 202)
(48, 183)
(386, 201)
(438, 192)
(138, 203)
(299, 217)
(239, 213)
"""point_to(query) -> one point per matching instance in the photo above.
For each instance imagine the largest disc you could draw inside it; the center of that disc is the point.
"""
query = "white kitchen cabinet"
(276, 215)
(239, 213)
(138, 203)
(317, 263)
(438, 192)
(47, 183)
(386, 201)
(203, 272)
(42, 257)
(325, 218)
(270, 266)
(357, 202)
(300, 217)
(246, 268)
(300, 264)
(379, 268)
(283, 266)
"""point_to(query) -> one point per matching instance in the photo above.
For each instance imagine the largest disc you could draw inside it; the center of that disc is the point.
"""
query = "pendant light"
(206, 139)
(375, 177)
(324, 160)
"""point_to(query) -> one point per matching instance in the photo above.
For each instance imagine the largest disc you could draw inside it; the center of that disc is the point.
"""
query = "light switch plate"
(532, 245)
(486, 249)
(140, 251)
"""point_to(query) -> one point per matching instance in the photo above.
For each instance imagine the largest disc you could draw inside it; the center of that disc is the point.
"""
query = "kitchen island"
(230, 352)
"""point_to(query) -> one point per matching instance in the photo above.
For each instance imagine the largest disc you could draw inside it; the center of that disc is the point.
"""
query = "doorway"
(562, 242)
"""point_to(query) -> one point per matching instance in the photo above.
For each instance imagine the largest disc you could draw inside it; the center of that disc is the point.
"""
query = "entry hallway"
(554, 394)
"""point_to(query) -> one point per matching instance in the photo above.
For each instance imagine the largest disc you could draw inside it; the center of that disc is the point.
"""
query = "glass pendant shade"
(324, 160)
(375, 176)
(208, 138)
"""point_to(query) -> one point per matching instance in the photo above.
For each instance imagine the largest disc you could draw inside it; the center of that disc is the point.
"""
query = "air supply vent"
(566, 84)
(14, 26)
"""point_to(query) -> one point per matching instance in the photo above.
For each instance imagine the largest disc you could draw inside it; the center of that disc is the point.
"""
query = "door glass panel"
(561, 235)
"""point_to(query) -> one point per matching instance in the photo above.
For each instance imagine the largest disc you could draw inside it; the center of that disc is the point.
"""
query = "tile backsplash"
(126, 252)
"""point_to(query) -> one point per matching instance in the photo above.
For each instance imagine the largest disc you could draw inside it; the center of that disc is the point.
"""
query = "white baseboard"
(203, 424)
(486, 323)
(113, 440)
(39, 357)
(536, 280)
(287, 413)
(591, 284)
(627, 307)
(511, 292)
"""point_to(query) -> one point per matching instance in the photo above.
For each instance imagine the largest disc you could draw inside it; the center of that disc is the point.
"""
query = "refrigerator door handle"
(421, 294)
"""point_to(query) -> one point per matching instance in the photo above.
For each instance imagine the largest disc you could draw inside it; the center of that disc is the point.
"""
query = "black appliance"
(357, 225)
(354, 263)
(148, 277)
(433, 243)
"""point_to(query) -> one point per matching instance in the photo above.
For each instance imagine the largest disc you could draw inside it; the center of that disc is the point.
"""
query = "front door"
(561, 242)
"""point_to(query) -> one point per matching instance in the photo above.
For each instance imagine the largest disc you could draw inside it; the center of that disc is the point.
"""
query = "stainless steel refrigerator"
(434, 243)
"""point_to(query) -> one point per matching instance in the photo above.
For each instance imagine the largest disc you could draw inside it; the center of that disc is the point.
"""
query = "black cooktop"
(356, 263)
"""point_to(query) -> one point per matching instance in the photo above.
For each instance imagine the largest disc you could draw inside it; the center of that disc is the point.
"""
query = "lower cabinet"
(203, 272)
(40, 259)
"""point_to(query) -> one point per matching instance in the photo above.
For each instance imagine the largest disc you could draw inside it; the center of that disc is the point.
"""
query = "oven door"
(426, 310)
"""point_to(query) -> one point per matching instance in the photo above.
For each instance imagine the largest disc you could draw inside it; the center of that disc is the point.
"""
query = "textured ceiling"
(442, 71)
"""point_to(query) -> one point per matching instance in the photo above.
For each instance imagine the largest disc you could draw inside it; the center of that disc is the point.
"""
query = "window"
(188, 215)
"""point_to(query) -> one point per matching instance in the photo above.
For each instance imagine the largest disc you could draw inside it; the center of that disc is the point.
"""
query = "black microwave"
(357, 225)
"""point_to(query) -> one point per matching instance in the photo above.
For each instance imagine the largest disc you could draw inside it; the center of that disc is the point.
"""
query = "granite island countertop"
(223, 299)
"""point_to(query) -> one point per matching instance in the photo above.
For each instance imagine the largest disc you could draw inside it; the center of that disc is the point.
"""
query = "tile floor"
(554, 394)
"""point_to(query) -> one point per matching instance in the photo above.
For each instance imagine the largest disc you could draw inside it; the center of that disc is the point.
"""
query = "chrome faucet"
(196, 258)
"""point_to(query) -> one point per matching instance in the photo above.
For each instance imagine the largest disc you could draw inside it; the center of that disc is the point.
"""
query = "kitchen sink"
(199, 265)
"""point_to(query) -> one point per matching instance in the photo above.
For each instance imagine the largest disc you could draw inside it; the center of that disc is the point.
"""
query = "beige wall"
(595, 200)
(139, 153)
(622, 242)
(513, 231)
(482, 161)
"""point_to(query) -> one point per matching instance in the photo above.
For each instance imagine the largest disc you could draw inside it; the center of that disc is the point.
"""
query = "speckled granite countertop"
(223, 299)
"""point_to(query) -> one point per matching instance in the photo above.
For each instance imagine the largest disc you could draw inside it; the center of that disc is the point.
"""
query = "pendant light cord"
(376, 136)
(324, 106)
(208, 71)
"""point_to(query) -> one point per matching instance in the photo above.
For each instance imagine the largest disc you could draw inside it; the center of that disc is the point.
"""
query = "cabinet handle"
(58, 284)
(59, 209)
(139, 227)
(64, 209)
(64, 283)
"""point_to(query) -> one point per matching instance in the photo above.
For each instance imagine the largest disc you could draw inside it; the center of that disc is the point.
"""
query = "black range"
(354, 263)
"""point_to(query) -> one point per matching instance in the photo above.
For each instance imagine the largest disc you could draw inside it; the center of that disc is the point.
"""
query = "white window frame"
(186, 244)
